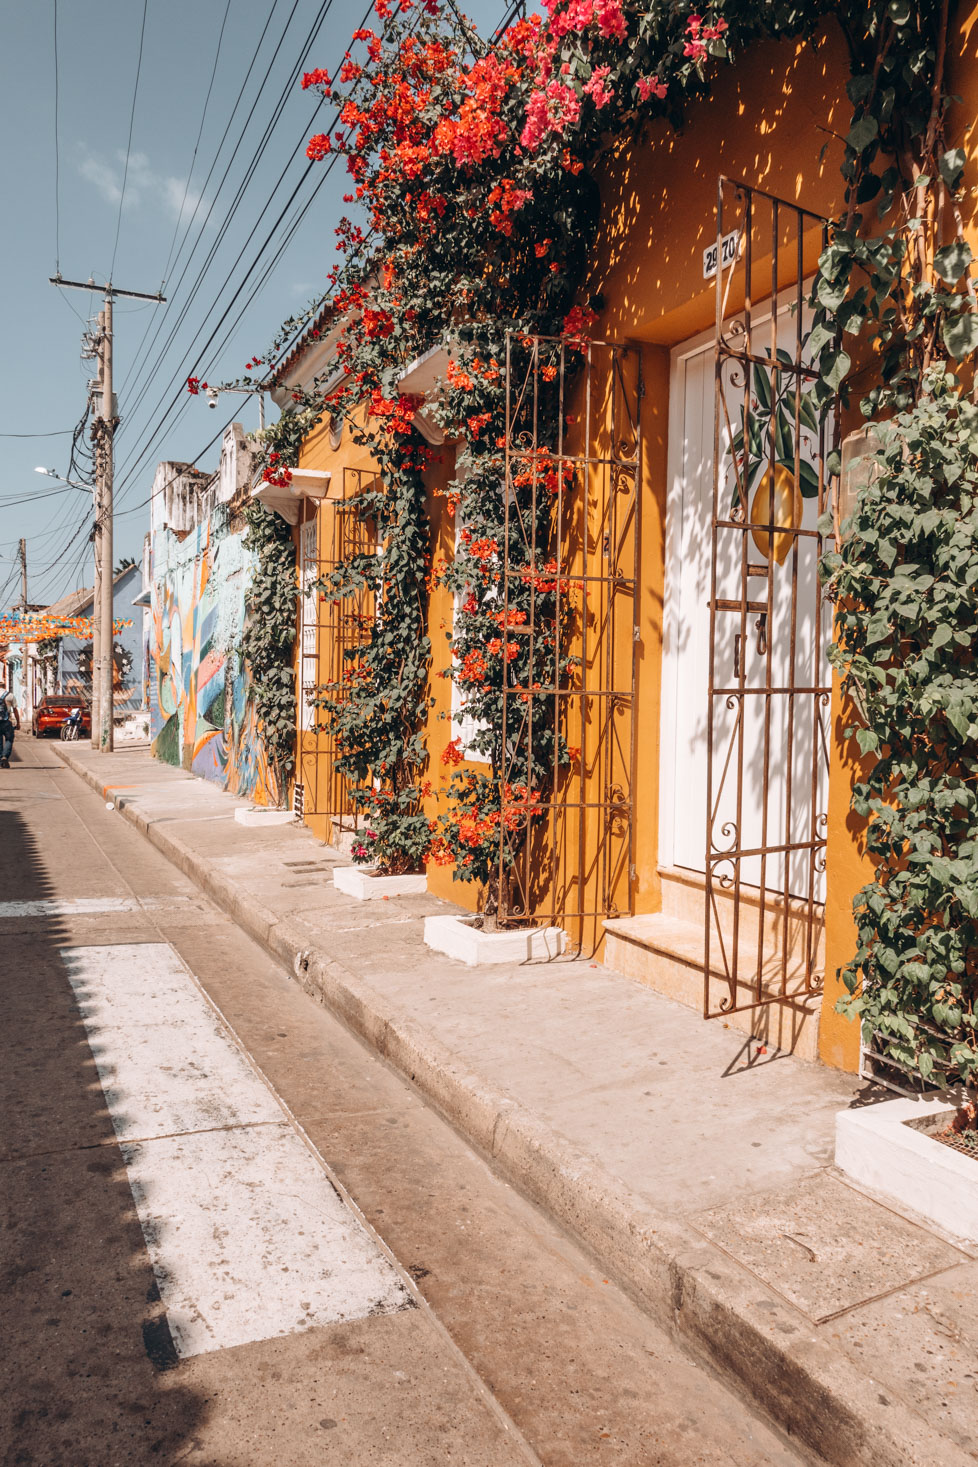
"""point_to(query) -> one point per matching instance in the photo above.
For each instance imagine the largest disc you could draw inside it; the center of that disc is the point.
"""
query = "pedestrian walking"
(9, 723)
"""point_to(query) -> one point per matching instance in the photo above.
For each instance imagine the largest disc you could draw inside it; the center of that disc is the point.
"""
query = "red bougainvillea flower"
(318, 147)
(452, 754)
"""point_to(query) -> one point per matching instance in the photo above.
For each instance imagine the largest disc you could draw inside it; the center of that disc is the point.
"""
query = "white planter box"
(459, 939)
(261, 815)
(363, 883)
(875, 1146)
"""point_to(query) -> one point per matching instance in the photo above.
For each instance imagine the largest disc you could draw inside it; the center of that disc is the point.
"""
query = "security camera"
(211, 397)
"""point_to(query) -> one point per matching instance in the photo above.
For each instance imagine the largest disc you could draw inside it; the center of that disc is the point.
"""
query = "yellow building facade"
(712, 776)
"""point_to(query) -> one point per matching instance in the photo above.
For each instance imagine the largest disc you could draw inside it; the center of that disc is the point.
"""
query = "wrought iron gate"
(570, 565)
(329, 634)
(769, 681)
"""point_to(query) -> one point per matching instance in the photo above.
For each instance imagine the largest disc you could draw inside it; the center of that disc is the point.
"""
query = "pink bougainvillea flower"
(596, 89)
(650, 86)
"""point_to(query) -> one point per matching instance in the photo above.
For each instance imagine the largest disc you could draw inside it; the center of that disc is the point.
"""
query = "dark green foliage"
(268, 638)
(906, 584)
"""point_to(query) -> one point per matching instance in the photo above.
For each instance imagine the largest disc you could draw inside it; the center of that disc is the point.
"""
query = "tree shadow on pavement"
(85, 1377)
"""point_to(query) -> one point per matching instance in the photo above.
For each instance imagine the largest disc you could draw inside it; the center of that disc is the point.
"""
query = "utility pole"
(106, 708)
(96, 690)
(25, 666)
(103, 642)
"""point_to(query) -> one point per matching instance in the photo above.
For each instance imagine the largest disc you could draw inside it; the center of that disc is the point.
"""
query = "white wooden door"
(751, 812)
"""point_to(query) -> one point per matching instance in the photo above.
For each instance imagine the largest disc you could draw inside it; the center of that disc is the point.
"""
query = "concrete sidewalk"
(697, 1172)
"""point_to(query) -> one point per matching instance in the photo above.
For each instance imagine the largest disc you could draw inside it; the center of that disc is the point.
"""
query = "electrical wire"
(132, 118)
(310, 38)
(241, 287)
(181, 370)
(138, 368)
(200, 130)
(55, 433)
(211, 254)
(163, 487)
(519, 8)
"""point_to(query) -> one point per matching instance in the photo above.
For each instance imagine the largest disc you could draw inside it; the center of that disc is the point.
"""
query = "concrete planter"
(889, 1148)
(261, 815)
(363, 883)
(456, 937)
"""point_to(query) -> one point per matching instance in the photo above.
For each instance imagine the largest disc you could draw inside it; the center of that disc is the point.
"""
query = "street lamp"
(53, 474)
(212, 393)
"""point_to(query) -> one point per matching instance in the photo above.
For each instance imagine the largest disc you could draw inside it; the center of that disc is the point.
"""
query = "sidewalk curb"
(812, 1390)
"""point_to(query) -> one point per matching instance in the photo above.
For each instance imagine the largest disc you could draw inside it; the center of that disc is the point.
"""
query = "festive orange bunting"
(41, 628)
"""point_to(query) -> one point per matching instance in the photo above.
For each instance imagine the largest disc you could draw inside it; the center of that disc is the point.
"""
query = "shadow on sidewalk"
(85, 1373)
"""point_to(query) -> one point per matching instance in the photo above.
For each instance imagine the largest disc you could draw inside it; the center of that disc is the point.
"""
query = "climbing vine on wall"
(268, 636)
(906, 582)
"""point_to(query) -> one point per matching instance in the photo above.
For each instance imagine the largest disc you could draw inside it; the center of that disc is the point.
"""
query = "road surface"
(232, 1236)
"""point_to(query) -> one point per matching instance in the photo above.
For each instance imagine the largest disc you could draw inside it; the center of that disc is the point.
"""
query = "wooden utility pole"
(103, 531)
(96, 687)
(25, 665)
(103, 642)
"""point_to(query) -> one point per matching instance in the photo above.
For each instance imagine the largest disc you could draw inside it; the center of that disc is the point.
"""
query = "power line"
(226, 222)
(200, 130)
(244, 282)
(132, 118)
(180, 395)
(266, 138)
(163, 487)
(55, 433)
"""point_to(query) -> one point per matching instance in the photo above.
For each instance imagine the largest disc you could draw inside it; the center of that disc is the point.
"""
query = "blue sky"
(171, 211)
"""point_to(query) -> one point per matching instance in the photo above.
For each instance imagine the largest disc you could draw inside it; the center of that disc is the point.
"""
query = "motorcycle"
(71, 728)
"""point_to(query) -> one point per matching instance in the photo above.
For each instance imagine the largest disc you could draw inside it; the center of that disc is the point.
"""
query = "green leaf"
(835, 367)
(952, 166)
(953, 260)
(762, 388)
(807, 480)
(960, 334)
(863, 132)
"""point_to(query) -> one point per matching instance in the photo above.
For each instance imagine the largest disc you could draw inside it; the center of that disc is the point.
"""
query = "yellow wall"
(346, 463)
(773, 121)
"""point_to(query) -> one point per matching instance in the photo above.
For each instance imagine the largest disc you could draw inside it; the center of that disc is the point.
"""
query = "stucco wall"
(202, 718)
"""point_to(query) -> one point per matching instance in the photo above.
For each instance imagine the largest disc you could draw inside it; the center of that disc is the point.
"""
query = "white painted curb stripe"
(85, 906)
(248, 1238)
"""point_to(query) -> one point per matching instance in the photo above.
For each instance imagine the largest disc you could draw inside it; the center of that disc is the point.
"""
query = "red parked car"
(51, 712)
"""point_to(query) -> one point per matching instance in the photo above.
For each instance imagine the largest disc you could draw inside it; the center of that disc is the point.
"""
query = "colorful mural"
(202, 718)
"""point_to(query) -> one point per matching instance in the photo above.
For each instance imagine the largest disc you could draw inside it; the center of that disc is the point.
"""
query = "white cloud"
(142, 182)
(103, 177)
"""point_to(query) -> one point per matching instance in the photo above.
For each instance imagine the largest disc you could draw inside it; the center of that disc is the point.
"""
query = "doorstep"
(665, 951)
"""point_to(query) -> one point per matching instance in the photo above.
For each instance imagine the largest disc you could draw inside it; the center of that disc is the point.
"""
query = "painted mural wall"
(202, 718)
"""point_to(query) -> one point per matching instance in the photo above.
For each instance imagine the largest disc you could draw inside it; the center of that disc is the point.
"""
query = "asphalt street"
(233, 1236)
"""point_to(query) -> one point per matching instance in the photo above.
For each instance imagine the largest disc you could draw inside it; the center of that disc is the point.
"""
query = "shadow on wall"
(203, 717)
